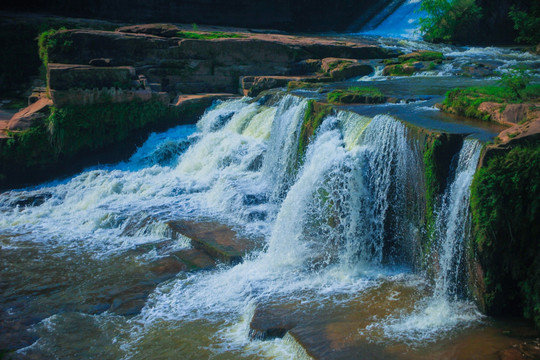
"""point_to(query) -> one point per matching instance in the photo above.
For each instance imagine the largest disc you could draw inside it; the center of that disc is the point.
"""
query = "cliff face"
(302, 15)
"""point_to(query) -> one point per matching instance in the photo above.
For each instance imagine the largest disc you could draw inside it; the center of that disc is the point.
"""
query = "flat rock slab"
(188, 99)
(217, 240)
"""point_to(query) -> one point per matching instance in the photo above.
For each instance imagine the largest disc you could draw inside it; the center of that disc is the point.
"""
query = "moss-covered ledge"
(505, 203)
(74, 136)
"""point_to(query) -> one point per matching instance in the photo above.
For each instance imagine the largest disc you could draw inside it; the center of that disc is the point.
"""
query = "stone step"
(219, 241)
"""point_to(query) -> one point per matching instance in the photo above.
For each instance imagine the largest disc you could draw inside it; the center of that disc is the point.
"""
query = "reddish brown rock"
(340, 69)
(510, 114)
(164, 30)
(218, 241)
(27, 117)
(254, 85)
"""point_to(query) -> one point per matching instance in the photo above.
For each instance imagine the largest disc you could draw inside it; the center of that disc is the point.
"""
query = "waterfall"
(452, 221)
(402, 23)
(343, 222)
(341, 205)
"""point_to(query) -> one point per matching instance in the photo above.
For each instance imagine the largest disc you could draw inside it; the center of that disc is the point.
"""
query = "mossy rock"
(356, 95)
(505, 203)
(313, 117)
(421, 55)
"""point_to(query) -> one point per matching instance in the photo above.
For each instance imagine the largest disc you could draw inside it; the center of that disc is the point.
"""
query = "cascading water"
(452, 222)
(444, 309)
(335, 227)
(402, 23)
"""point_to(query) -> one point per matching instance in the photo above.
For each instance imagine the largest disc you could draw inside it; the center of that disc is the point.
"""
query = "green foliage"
(527, 24)
(208, 35)
(516, 80)
(71, 130)
(446, 17)
(356, 95)
(53, 40)
(466, 101)
(313, 117)
(95, 126)
(505, 203)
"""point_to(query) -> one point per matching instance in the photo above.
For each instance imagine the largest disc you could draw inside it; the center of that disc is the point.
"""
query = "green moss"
(421, 56)
(338, 64)
(72, 130)
(294, 85)
(208, 35)
(505, 203)
(356, 95)
(432, 181)
(398, 70)
(439, 150)
(53, 40)
(315, 113)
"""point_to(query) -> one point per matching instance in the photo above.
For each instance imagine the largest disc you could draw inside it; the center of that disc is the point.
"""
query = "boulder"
(308, 66)
(65, 76)
(399, 70)
(164, 30)
(528, 131)
(510, 114)
(30, 115)
(340, 69)
(480, 69)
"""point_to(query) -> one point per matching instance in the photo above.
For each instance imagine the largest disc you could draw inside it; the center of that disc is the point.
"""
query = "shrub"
(527, 24)
(446, 17)
(516, 80)
(505, 203)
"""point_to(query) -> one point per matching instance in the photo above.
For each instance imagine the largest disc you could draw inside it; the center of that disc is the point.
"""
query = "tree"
(527, 24)
(446, 17)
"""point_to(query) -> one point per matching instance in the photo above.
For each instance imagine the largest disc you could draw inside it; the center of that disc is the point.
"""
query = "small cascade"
(446, 308)
(452, 222)
(402, 23)
(347, 203)
(280, 160)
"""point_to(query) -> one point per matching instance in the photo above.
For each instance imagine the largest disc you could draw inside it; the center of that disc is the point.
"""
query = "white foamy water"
(335, 226)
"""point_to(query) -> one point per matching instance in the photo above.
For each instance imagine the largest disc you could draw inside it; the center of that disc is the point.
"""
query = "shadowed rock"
(217, 240)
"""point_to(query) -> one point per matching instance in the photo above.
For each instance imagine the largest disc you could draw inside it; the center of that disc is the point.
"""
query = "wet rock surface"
(216, 240)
